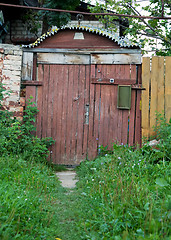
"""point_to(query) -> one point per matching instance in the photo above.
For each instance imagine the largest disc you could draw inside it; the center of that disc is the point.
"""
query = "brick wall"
(20, 32)
(10, 76)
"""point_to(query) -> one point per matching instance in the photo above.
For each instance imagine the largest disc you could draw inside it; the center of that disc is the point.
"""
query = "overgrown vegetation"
(33, 205)
(126, 192)
(18, 137)
(27, 193)
(123, 194)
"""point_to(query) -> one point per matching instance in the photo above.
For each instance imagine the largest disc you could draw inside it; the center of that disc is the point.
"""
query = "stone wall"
(10, 76)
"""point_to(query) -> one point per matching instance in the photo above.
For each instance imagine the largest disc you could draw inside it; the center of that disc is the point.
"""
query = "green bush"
(18, 137)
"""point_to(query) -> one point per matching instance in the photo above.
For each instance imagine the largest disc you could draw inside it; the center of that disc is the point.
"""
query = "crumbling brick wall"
(10, 76)
(20, 32)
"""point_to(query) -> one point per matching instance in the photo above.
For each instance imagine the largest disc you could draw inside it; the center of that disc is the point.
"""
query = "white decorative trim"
(122, 41)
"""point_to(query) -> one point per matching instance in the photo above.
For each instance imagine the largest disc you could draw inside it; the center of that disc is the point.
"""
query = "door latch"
(87, 114)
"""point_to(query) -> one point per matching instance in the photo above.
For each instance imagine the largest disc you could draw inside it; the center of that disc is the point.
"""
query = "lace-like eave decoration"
(122, 41)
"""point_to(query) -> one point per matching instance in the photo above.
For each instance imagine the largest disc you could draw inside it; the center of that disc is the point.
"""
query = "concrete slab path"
(67, 178)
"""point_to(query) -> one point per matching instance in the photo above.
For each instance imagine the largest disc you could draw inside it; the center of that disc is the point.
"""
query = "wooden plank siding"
(156, 73)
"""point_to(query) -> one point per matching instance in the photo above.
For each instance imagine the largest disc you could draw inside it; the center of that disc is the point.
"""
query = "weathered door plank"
(27, 66)
(86, 104)
(125, 113)
(70, 103)
(92, 145)
(75, 115)
(54, 74)
(81, 108)
(39, 102)
(45, 100)
(115, 58)
(64, 84)
(63, 58)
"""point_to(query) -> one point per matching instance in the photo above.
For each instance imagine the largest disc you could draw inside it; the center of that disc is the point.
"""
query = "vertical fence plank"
(160, 85)
(159, 92)
(154, 92)
(168, 88)
(145, 96)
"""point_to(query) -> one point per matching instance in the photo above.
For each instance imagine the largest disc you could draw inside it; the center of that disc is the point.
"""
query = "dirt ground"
(67, 178)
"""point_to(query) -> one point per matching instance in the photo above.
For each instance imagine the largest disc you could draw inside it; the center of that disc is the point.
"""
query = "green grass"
(120, 195)
(33, 205)
(126, 196)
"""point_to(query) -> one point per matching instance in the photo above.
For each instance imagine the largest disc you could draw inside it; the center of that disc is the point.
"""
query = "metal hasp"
(124, 97)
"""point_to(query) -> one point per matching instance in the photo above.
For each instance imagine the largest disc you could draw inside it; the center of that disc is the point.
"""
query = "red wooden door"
(108, 124)
(80, 115)
(62, 103)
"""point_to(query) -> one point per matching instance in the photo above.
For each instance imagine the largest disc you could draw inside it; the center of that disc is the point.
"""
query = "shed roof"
(122, 41)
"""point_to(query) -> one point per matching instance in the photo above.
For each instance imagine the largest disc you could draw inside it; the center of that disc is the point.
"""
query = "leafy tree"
(58, 19)
(141, 30)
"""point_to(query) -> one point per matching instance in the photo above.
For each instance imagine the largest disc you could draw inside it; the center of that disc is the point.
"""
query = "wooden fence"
(156, 79)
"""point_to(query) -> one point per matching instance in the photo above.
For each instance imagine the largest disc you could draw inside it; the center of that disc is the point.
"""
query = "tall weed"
(27, 193)
(126, 192)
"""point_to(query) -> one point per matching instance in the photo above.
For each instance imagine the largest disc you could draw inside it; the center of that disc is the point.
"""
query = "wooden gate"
(87, 86)
(78, 107)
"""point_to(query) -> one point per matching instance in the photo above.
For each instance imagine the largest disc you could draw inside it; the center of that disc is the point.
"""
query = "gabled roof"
(122, 41)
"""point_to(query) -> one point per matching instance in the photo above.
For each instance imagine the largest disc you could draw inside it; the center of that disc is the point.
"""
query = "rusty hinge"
(32, 83)
(137, 87)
